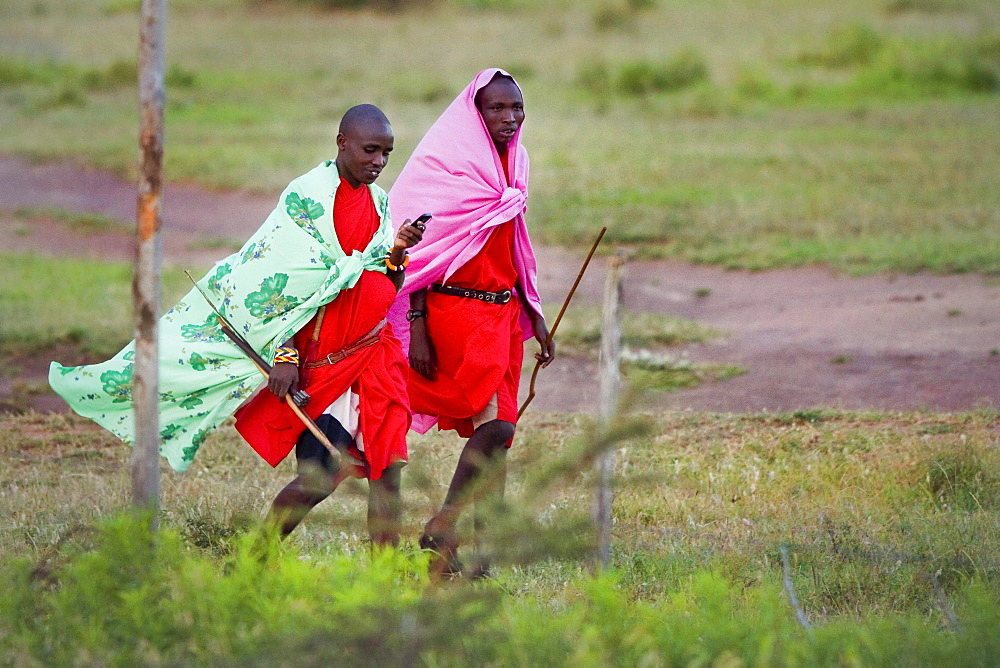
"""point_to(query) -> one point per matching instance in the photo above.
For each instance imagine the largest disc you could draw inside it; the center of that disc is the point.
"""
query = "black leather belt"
(501, 297)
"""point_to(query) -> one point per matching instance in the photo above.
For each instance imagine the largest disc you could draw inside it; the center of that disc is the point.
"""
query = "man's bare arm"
(284, 376)
(408, 236)
(539, 329)
(421, 352)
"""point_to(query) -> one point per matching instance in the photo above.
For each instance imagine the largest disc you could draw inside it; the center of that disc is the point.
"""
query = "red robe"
(377, 374)
(478, 346)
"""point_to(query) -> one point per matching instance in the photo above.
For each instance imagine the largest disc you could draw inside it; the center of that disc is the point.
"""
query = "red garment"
(478, 346)
(376, 373)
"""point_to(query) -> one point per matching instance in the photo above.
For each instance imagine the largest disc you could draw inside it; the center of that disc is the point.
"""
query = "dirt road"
(808, 338)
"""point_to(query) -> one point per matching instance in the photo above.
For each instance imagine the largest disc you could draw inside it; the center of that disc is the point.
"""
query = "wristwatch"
(413, 314)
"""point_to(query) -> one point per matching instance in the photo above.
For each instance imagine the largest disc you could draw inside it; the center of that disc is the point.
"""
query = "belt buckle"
(505, 296)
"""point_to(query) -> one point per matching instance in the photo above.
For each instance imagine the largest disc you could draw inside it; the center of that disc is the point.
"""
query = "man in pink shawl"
(471, 294)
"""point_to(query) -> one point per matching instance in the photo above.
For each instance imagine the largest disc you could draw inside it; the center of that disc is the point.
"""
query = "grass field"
(890, 523)
(861, 135)
(857, 134)
(78, 311)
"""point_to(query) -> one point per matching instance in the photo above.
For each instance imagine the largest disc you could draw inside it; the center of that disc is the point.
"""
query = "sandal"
(480, 572)
(444, 563)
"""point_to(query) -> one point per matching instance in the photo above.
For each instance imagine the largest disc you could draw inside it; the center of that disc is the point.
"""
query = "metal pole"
(146, 278)
(610, 381)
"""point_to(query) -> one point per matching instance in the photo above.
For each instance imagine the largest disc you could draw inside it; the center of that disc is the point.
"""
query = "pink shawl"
(455, 174)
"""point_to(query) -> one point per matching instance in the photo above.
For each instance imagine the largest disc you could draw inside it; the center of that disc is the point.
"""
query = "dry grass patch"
(869, 505)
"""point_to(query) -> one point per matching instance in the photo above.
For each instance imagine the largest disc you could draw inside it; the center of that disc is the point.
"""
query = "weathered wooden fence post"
(146, 278)
(610, 380)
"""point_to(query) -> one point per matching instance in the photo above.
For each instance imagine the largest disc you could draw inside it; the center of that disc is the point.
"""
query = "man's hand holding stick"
(351, 466)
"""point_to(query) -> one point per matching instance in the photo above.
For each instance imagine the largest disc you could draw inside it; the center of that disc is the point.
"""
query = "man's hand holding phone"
(421, 222)
(410, 233)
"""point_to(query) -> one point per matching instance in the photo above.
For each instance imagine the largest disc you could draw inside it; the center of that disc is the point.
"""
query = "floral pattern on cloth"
(269, 289)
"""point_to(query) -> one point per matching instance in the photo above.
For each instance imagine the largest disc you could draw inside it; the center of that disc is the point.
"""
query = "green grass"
(84, 223)
(648, 370)
(75, 304)
(854, 134)
(646, 365)
(580, 329)
(78, 312)
(891, 523)
(887, 161)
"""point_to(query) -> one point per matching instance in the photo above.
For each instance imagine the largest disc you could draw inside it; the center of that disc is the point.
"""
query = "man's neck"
(347, 179)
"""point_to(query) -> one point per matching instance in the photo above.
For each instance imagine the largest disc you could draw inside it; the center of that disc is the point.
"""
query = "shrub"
(125, 596)
(67, 96)
(14, 73)
(383, 5)
(933, 68)
(178, 77)
(492, 4)
(752, 84)
(617, 16)
(521, 70)
(709, 102)
(845, 47)
(595, 78)
(644, 78)
(929, 6)
(119, 74)
(113, 7)
(608, 17)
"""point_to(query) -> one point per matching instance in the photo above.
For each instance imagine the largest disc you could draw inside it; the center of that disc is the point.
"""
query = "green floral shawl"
(269, 290)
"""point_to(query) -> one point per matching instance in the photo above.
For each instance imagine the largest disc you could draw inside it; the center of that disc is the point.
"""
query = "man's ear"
(341, 141)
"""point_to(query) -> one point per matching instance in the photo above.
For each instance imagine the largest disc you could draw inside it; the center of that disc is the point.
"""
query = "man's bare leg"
(487, 507)
(385, 507)
(298, 497)
(478, 456)
(317, 479)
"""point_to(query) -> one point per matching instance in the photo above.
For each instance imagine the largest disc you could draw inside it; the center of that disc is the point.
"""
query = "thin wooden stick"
(555, 324)
(265, 369)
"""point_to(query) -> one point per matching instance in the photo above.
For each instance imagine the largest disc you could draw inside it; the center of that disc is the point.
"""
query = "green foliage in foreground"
(891, 524)
(125, 597)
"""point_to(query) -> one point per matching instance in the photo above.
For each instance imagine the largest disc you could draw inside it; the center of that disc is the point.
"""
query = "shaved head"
(363, 144)
(362, 116)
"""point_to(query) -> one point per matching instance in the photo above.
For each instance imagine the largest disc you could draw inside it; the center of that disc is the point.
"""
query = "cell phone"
(421, 221)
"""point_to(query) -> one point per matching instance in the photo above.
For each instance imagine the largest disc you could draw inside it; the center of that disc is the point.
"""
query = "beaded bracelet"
(286, 354)
(399, 267)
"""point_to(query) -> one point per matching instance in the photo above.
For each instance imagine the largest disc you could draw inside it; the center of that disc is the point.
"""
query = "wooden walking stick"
(265, 370)
(555, 325)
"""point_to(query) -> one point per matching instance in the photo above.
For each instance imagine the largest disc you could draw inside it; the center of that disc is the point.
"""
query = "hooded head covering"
(455, 174)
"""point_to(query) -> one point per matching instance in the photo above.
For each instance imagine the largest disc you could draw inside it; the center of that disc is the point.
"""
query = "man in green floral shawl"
(269, 290)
